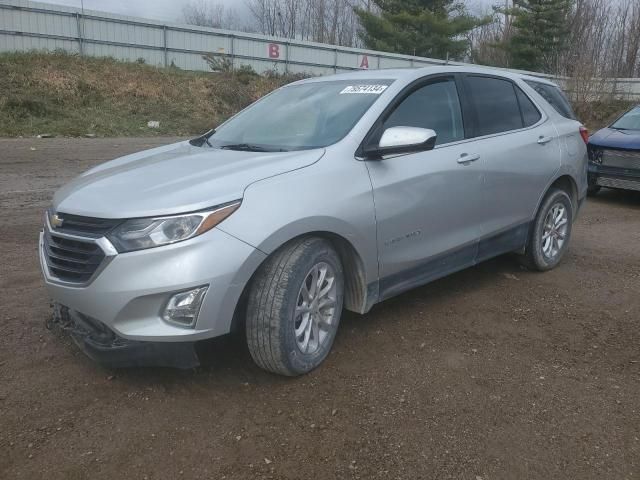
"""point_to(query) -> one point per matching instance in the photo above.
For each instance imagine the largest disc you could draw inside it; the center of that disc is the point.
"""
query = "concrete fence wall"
(26, 25)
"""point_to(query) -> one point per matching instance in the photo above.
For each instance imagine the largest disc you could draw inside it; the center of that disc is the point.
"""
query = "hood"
(612, 138)
(172, 179)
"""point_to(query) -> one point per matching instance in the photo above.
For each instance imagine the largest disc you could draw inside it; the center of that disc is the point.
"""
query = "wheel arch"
(360, 291)
(565, 182)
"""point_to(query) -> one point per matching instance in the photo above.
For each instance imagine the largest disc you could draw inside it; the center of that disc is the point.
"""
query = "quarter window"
(496, 105)
(435, 106)
(530, 114)
(555, 97)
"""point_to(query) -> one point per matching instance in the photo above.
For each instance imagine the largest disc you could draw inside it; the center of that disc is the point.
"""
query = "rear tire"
(294, 307)
(592, 190)
(550, 233)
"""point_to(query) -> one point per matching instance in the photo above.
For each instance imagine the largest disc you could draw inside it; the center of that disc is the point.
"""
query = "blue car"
(614, 154)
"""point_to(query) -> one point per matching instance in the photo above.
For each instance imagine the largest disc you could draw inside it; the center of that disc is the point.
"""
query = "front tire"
(294, 307)
(551, 231)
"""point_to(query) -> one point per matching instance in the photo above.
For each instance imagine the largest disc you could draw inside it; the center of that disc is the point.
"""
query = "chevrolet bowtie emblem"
(56, 221)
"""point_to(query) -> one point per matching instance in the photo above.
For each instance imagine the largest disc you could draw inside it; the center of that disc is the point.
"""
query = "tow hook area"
(103, 345)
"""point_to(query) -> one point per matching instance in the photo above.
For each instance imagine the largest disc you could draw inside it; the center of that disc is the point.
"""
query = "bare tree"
(488, 39)
(626, 40)
(325, 21)
(211, 14)
(604, 44)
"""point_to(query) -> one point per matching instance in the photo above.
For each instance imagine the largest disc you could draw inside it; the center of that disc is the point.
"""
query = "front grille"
(622, 183)
(85, 226)
(71, 260)
(627, 159)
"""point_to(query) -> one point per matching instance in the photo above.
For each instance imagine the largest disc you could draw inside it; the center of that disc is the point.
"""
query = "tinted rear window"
(555, 97)
(495, 103)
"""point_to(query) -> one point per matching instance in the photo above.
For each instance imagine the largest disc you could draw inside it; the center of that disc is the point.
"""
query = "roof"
(409, 74)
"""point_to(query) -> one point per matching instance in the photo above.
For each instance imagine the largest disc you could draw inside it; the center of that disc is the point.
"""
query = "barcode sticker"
(370, 89)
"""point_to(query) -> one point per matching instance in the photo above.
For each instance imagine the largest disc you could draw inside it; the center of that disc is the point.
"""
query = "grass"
(62, 94)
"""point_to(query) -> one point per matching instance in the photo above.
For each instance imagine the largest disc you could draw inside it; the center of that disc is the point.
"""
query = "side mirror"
(398, 140)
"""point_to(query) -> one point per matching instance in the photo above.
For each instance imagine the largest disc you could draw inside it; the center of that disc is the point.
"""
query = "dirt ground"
(492, 373)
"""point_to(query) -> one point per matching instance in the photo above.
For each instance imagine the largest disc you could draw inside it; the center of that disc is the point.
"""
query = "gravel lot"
(492, 373)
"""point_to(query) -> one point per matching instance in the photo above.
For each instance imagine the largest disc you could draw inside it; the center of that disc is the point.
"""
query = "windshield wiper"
(247, 147)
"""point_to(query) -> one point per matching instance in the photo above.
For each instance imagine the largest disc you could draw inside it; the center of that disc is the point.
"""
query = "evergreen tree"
(427, 28)
(540, 32)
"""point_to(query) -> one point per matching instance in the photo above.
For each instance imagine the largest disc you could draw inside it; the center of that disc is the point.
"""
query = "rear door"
(520, 154)
(427, 204)
(574, 151)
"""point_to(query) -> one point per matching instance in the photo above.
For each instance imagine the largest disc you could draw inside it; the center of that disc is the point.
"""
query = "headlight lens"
(141, 233)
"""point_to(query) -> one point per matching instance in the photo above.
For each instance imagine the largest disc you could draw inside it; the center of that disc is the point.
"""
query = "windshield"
(629, 121)
(298, 117)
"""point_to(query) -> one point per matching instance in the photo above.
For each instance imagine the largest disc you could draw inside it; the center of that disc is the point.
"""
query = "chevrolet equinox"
(330, 193)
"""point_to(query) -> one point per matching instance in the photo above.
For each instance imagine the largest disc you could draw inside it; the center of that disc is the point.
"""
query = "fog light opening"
(183, 308)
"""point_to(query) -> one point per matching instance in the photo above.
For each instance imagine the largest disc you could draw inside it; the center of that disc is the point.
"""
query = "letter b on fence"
(273, 50)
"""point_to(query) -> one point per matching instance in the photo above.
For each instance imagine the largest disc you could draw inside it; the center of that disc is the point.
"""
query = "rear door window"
(555, 97)
(496, 105)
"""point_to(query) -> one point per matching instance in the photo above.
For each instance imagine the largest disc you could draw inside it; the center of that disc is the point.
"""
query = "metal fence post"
(232, 53)
(335, 60)
(79, 26)
(378, 62)
(164, 45)
(286, 57)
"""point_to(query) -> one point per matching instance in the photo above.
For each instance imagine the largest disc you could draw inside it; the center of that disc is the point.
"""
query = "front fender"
(328, 197)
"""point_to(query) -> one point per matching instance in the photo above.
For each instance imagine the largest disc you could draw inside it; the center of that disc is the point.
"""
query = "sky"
(167, 10)
(171, 10)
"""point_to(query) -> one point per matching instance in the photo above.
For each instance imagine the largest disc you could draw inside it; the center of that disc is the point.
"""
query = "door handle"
(544, 140)
(466, 158)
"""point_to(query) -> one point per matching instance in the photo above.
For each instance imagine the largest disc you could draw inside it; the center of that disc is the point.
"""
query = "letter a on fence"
(364, 63)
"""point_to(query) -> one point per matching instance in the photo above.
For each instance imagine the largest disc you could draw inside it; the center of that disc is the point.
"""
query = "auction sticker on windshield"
(371, 89)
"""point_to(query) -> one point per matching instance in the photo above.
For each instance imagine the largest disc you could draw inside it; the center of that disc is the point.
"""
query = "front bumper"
(613, 177)
(131, 290)
(102, 345)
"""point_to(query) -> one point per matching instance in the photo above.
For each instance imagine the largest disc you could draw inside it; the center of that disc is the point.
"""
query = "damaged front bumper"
(613, 177)
(104, 346)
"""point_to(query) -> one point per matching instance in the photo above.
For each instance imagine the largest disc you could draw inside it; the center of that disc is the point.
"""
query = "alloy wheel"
(315, 308)
(554, 233)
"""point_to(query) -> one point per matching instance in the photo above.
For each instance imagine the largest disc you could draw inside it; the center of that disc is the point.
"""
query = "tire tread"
(266, 304)
(532, 259)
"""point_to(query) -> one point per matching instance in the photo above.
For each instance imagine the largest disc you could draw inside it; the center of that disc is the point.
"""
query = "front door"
(427, 204)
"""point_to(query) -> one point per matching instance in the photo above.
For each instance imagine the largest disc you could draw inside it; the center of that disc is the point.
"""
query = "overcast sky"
(171, 10)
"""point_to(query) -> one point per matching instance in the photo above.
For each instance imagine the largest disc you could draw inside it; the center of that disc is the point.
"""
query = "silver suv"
(329, 193)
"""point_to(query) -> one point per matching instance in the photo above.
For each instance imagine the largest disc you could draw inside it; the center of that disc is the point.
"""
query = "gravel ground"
(492, 373)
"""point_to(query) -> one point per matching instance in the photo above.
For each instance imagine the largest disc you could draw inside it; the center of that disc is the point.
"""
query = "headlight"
(141, 233)
(595, 155)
